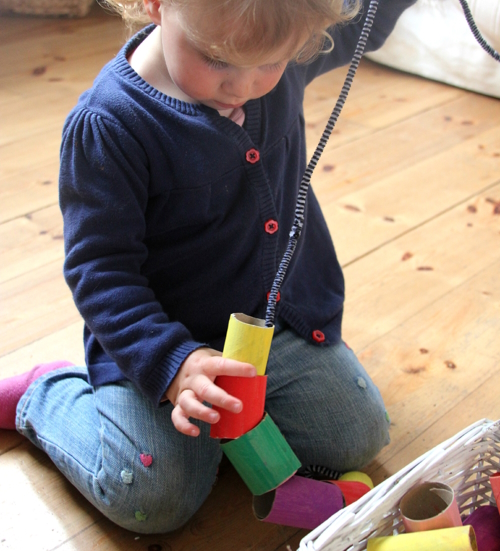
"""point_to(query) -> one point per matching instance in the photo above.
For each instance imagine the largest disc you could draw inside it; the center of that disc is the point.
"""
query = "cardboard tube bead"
(351, 491)
(299, 502)
(252, 392)
(357, 476)
(248, 340)
(495, 486)
(459, 538)
(262, 457)
(429, 506)
(486, 523)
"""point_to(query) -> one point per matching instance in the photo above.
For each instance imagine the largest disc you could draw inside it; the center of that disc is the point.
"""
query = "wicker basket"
(465, 462)
(68, 8)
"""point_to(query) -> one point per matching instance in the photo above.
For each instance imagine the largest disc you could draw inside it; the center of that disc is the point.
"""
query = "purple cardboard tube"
(299, 502)
(486, 523)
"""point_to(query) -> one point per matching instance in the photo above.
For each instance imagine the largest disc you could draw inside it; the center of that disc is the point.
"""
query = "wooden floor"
(410, 185)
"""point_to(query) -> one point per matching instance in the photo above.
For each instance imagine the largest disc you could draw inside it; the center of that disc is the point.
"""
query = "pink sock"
(13, 388)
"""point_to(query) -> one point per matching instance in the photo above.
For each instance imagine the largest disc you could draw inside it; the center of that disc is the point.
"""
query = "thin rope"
(306, 179)
(475, 31)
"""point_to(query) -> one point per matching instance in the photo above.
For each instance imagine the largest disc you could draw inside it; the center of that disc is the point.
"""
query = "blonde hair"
(237, 30)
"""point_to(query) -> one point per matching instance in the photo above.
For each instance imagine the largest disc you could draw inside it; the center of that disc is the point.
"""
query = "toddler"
(179, 173)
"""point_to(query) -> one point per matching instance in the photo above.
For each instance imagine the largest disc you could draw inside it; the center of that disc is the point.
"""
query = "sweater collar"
(252, 107)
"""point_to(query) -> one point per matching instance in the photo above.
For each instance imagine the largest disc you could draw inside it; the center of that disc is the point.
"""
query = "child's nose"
(241, 83)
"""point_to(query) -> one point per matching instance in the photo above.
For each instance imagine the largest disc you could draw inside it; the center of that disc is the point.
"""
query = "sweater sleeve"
(345, 37)
(104, 180)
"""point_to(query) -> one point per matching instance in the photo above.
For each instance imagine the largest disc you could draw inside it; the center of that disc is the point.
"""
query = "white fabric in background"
(432, 39)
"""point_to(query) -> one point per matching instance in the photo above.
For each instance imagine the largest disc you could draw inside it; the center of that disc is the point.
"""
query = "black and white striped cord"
(475, 31)
(306, 179)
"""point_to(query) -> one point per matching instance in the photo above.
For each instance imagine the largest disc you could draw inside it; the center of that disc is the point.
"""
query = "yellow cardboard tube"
(357, 476)
(248, 340)
(461, 538)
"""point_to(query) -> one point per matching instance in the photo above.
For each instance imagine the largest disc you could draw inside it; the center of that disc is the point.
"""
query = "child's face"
(204, 80)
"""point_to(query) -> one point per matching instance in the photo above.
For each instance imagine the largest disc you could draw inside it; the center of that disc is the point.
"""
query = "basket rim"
(398, 483)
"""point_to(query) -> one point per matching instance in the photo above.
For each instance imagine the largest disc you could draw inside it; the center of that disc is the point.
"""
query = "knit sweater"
(175, 217)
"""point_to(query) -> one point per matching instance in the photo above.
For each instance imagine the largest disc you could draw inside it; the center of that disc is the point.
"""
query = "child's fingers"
(192, 407)
(225, 366)
(206, 391)
(182, 424)
(194, 384)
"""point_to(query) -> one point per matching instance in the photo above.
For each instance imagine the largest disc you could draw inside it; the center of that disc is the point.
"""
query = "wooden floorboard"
(410, 187)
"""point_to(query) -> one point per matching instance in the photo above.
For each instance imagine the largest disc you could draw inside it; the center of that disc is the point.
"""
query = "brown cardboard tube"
(429, 506)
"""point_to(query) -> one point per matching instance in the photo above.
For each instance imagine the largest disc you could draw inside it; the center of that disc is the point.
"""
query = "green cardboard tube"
(262, 457)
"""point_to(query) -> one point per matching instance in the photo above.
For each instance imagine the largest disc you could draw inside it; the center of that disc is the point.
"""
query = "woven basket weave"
(464, 462)
(68, 8)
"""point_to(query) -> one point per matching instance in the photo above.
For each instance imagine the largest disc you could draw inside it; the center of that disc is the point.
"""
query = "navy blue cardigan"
(175, 217)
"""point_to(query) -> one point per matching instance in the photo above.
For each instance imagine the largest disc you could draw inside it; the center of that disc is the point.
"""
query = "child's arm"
(104, 196)
(345, 37)
(194, 384)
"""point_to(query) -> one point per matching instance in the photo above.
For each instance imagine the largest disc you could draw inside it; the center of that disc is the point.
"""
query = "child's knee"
(366, 438)
(347, 442)
(163, 513)
(152, 505)
(356, 449)
(371, 442)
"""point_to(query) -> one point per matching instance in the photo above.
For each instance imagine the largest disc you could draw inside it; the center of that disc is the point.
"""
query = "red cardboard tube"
(252, 392)
(300, 502)
(495, 486)
(351, 490)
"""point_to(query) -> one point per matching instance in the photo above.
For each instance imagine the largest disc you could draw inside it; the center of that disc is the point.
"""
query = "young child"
(179, 174)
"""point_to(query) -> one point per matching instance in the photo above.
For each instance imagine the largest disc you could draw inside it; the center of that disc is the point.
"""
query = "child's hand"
(194, 384)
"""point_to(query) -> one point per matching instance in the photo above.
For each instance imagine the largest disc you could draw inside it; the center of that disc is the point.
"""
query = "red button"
(271, 226)
(252, 156)
(318, 335)
(278, 296)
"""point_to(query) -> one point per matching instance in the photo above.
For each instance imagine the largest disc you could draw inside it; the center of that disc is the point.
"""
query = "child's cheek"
(270, 82)
(195, 82)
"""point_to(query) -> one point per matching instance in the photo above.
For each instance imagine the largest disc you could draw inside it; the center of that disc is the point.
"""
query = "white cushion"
(432, 39)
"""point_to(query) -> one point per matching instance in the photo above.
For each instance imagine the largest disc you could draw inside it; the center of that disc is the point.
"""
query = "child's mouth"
(221, 105)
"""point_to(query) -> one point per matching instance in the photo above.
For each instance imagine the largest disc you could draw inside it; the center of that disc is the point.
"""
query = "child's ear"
(153, 10)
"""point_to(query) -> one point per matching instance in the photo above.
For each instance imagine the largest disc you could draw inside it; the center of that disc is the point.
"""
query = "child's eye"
(215, 63)
(275, 66)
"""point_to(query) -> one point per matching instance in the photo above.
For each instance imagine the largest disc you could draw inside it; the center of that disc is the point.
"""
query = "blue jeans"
(125, 456)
